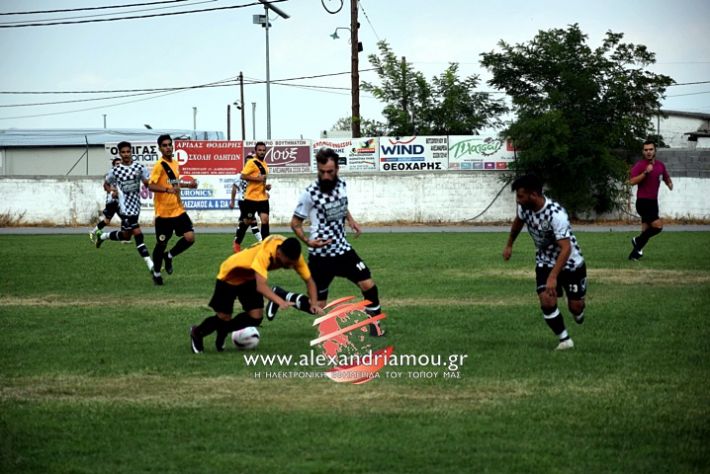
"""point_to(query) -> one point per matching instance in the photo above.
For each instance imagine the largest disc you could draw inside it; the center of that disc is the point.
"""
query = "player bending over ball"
(244, 276)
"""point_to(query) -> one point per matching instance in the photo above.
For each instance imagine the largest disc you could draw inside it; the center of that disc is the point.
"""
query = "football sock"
(264, 230)
(113, 235)
(554, 320)
(301, 301)
(100, 225)
(118, 235)
(241, 321)
(645, 236)
(255, 231)
(241, 231)
(372, 296)
(158, 253)
(180, 246)
(141, 248)
(209, 325)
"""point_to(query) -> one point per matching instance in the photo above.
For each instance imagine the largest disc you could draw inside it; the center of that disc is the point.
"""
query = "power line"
(690, 93)
(168, 91)
(222, 83)
(137, 17)
(65, 10)
(163, 89)
(89, 108)
(23, 22)
(368, 20)
(688, 83)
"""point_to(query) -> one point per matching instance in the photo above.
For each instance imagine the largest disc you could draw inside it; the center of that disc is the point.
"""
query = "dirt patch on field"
(104, 301)
(621, 276)
(284, 394)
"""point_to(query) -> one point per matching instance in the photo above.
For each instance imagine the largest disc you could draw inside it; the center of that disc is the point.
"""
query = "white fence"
(425, 198)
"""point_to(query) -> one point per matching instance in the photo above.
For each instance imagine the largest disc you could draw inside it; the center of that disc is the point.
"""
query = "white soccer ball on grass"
(247, 338)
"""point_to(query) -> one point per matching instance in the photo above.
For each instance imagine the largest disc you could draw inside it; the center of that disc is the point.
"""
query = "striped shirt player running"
(110, 208)
(325, 204)
(560, 267)
(124, 181)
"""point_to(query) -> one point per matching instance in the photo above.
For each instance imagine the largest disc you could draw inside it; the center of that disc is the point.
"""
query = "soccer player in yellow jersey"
(256, 197)
(244, 276)
(170, 215)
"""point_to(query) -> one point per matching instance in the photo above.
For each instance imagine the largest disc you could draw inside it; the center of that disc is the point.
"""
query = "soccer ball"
(247, 338)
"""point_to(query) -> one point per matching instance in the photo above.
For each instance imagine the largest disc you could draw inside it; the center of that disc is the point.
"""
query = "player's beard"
(327, 185)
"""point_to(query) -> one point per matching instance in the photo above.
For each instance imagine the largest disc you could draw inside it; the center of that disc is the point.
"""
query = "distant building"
(679, 128)
(73, 152)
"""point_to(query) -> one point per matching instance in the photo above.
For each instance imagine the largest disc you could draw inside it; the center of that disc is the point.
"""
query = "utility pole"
(354, 69)
(104, 120)
(194, 122)
(253, 120)
(243, 105)
(265, 24)
(229, 122)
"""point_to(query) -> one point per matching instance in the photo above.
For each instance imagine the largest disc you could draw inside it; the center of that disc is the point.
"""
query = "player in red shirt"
(647, 174)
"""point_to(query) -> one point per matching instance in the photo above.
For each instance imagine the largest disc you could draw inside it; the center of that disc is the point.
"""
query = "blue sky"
(206, 47)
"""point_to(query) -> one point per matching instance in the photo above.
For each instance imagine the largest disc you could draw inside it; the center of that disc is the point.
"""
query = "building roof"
(680, 113)
(16, 137)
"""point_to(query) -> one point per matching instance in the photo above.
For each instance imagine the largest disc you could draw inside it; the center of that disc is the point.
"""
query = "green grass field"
(96, 374)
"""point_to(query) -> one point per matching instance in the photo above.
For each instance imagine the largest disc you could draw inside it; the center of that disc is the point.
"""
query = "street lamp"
(263, 20)
(335, 33)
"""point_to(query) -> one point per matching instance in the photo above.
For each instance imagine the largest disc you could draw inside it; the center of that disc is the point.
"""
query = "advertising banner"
(205, 158)
(413, 154)
(480, 152)
(214, 164)
(356, 154)
(285, 156)
(146, 153)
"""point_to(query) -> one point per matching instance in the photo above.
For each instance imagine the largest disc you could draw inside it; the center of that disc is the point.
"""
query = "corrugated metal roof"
(16, 137)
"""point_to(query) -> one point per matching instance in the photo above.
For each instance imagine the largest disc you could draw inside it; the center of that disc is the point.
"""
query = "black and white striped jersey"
(327, 213)
(127, 180)
(546, 227)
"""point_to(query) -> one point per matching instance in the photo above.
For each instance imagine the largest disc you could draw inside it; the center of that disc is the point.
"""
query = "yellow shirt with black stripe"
(166, 204)
(259, 258)
(256, 191)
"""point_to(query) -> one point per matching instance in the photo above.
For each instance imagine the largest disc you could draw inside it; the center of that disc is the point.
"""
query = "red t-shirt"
(648, 187)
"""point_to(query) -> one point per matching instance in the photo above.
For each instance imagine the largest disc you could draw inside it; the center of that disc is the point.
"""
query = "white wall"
(451, 197)
(55, 161)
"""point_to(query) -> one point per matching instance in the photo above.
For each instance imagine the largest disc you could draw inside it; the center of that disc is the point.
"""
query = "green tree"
(447, 105)
(581, 112)
(368, 128)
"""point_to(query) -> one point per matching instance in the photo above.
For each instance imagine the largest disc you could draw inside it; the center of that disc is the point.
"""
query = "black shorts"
(110, 210)
(573, 282)
(324, 269)
(165, 226)
(647, 209)
(129, 223)
(250, 209)
(224, 295)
